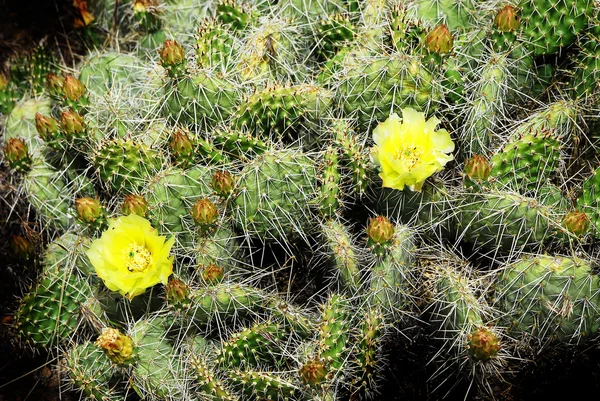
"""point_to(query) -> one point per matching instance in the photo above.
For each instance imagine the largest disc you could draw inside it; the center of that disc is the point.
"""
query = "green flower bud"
(177, 293)
(223, 183)
(55, 84)
(507, 19)
(171, 54)
(576, 222)
(135, 204)
(17, 155)
(483, 344)
(478, 168)
(212, 273)
(88, 210)
(205, 214)
(72, 123)
(380, 230)
(439, 40)
(73, 89)
(116, 345)
(182, 147)
(47, 127)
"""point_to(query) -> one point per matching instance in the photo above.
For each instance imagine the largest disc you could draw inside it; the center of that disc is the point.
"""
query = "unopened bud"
(576, 222)
(73, 89)
(22, 247)
(507, 19)
(55, 84)
(205, 214)
(177, 292)
(135, 204)
(72, 123)
(17, 155)
(88, 210)
(313, 372)
(380, 230)
(483, 344)
(46, 126)
(223, 183)
(182, 147)
(439, 40)
(116, 345)
(171, 54)
(212, 273)
(478, 168)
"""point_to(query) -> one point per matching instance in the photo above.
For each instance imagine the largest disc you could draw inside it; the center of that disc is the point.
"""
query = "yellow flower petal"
(130, 256)
(409, 149)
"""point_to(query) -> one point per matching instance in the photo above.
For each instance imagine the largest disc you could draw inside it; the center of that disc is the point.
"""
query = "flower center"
(409, 154)
(137, 258)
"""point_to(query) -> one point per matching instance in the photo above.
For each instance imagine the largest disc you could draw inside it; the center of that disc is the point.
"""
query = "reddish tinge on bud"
(46, 126)
(313, 372)
(22, 247)
(135, 204)
(171, 54)
(116, 345)
(380, 230)
(212, 273)
(17, 155)
(177, 292)
(3, 82)
(478, 168)
(55, 83)
(507, 19)
(88, 210)
(483, 344)
(576, 222)
(73, 89)
(439, 40)
(72, 123)
(205, 214)
(223, 183)
(181, 146)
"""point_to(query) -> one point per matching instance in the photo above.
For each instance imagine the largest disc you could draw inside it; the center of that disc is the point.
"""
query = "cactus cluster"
(318, 180)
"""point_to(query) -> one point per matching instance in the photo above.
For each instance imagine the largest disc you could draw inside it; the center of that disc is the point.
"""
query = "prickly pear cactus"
(306, 200)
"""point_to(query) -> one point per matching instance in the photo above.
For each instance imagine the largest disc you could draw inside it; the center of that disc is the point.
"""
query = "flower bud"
(177, 293)
(46, 126)
(576, 222)
(17, 155)
(88, 210)
(507, 19)
(313, 372)
(439, 40)
(22, 247)
(85, 18)
(380, 230)
(212, 273)
(72, 124)
(171, 54)
(116, 345)
(205, 214)
(182, 147)
(223, 183)
(483, 344)
(55, 84)
(135, 204)
(73, 89)
(3, 82)
(478, 168)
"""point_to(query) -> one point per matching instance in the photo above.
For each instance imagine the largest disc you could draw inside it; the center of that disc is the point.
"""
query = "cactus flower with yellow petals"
(408, 150)
(130, 256)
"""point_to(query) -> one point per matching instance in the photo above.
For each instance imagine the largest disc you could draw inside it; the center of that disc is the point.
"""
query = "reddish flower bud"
(135, 204)
(177, 292)
(507, 19)
(205, 214)
(380, 230)
(223, 183)
(72, 123)
(439, 40)
(478, 168)
(46, 126)
(212, 273)
(576, 222)
(22, 247)
(88, 210)
(73, 89)
(483, 344)
(171, 54)
(17, 155)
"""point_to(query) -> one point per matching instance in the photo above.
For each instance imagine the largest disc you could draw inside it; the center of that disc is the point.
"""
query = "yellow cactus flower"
(130, 256)
(409, 149)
